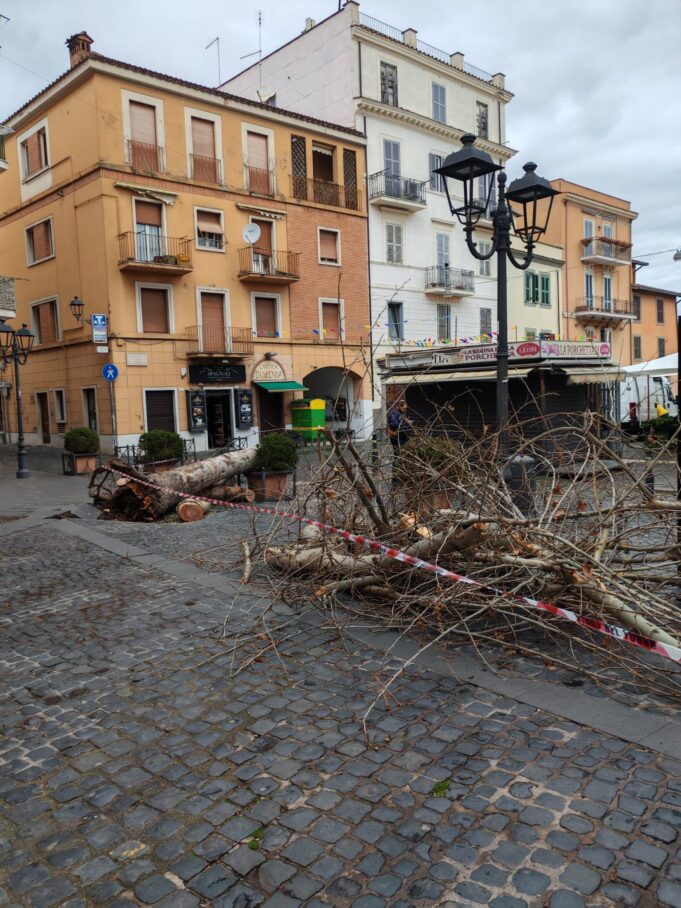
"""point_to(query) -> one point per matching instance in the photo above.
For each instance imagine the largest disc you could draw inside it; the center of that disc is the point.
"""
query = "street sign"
(99, 331)
(110, 372)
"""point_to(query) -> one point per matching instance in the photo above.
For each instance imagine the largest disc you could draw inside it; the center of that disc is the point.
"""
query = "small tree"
(81, 440)
(277, 453)
(160, 445)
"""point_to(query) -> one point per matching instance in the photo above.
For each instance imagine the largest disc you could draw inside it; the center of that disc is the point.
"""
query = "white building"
(414, 102)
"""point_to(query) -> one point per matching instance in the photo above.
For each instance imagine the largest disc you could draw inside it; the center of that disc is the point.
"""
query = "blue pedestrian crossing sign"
(110, 372)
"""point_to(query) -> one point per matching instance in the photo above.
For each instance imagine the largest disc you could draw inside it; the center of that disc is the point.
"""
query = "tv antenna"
(259, 50)
(216, 41)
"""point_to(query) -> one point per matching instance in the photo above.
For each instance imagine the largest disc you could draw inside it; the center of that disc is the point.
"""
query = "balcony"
(215, 340)
(325, 193)
(206, 170)
(144, 251)
(397, 192)
(150, 158)
(605, 252)
(3, 159)
(441, 280)
(269, 266)
(260, 182)
(597, 310)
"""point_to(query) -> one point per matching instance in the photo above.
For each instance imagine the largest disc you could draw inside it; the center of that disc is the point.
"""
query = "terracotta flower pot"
(268, 486)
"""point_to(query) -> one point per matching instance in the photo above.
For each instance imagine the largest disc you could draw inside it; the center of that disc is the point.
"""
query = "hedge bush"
(160, 445)
(276, 453)
(81, 440)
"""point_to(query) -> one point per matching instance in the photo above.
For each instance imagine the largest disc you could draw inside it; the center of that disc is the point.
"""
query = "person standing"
(400, 427)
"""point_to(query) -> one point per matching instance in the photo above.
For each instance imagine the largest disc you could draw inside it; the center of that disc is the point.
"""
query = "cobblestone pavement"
(137, 767)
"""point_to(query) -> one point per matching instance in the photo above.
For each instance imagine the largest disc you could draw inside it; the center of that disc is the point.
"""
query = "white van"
(644, 392)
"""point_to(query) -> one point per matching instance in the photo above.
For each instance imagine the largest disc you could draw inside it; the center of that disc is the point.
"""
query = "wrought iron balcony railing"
(140, 249)
(219, 340)
(326, 193)
(601, 305)
(142, 156)
(207, 170)
(260, 181)
(405, 189)
(613, 250)
(442, 277)
(278, 264)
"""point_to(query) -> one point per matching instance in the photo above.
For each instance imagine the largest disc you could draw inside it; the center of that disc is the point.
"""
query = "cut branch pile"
(590, 535)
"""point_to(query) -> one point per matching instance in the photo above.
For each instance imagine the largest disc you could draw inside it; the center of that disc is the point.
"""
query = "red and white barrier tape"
(666, 650)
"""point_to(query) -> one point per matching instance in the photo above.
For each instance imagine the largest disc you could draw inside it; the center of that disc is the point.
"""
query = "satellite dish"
(251, 234)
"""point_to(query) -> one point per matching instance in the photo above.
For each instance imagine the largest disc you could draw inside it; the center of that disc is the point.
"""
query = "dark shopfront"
(217, 410)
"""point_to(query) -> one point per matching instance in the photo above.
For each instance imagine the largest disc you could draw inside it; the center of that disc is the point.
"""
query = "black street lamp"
(529, 223)
(15, 345)
(76, 306)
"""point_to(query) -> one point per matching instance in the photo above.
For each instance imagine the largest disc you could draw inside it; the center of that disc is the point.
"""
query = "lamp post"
(468, 165)
(15, 345)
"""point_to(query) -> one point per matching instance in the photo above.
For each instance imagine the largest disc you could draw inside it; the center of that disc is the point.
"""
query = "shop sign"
(268, 370)
(99, 329)
(522, 350)
(216, 374)
(243, 408)
(196, 410)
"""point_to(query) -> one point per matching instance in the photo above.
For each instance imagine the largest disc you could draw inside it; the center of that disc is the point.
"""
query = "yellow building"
(223, 240)
(534, 295)
(594, 230)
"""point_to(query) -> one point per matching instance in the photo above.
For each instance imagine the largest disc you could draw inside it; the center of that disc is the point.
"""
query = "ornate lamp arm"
(473, 246)
(526, 262)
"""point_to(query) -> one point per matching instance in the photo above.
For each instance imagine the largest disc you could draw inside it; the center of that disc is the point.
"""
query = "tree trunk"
(190, 510)
(230, 493)
(149, 496)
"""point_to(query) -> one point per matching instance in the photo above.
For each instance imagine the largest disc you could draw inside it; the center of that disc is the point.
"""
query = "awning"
(439, 378)
(594, 377)
(281, 385)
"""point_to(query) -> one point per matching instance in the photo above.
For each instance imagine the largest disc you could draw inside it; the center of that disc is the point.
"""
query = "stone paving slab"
(136, 766)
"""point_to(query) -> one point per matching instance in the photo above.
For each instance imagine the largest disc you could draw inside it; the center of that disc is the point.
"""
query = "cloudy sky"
(597, 83)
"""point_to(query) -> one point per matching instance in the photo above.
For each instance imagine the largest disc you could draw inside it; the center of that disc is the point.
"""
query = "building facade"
(654, 329)
(534, 295)
(172, 210)
(414, 102)
(594, 230)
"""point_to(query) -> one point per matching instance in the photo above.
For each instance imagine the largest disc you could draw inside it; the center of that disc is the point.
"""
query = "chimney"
(79, 47)
(309, 23)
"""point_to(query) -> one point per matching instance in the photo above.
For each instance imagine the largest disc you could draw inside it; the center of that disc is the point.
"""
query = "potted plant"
(427, 467)
(160, 450)
(275, 460)
(81, 446)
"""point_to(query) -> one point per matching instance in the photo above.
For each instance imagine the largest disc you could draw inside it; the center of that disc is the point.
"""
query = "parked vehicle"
(640, 396)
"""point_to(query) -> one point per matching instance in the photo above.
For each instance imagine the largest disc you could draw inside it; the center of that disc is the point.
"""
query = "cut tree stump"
(230, 493)
(189, 510)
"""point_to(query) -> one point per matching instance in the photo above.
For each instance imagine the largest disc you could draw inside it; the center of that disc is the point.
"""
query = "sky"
(597, 83)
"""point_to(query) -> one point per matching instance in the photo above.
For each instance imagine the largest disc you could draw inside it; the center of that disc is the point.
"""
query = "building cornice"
(432, 127)
(589, 205)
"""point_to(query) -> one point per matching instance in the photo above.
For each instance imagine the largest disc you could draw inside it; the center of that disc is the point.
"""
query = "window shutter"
(41, 241)
(257, 151)
(545, 290)
(47, 323)
(209, 222)
(34, 155)
(535, 288)
(154, 311)
(350, 178)
(265, 316)
(149, 214)
(434, 161)
(331, 320)
(143, 123)
(264, 244)
(212, 310)
(328, 246)
(203, 137)
(394, 243)
(299, 166)
(160, 410)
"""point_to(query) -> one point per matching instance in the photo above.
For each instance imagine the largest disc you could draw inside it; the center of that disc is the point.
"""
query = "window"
(213, 336)
(350, 179)
(263, 261)
(606, 336)
(45, 322)
(144, 152)
(392, 167)
(659, 311)
(486, 264)
(34, 153)
(444, 322)
(326, 190)
(148, 228)
(482, 120)
(209, 230)
(588, 235)
(486, 197)
(266, 316)
(331, 320)
(661, 346)
(607, 292)
(589, 334)
(299, 167)
(636, 307)
(389, 84)
(393, 243)
(486, 322)
(442, 259)
(545, 298)
(160, 410)
(439, 103)
(39, 241)
(258, 163)
(154, 311)
(531, 288)
(437, 181)
(589, 290)
(90, 408)
(606, 233)
(60, 406)
(395, 321)
(638, 353)
(204, 162)
(329, 247)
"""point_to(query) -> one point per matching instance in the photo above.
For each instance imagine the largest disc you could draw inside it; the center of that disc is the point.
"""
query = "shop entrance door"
(271, 410)
(219, 417)
(44, 409)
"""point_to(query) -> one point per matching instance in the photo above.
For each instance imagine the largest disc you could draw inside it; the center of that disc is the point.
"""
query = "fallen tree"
(123, 491)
